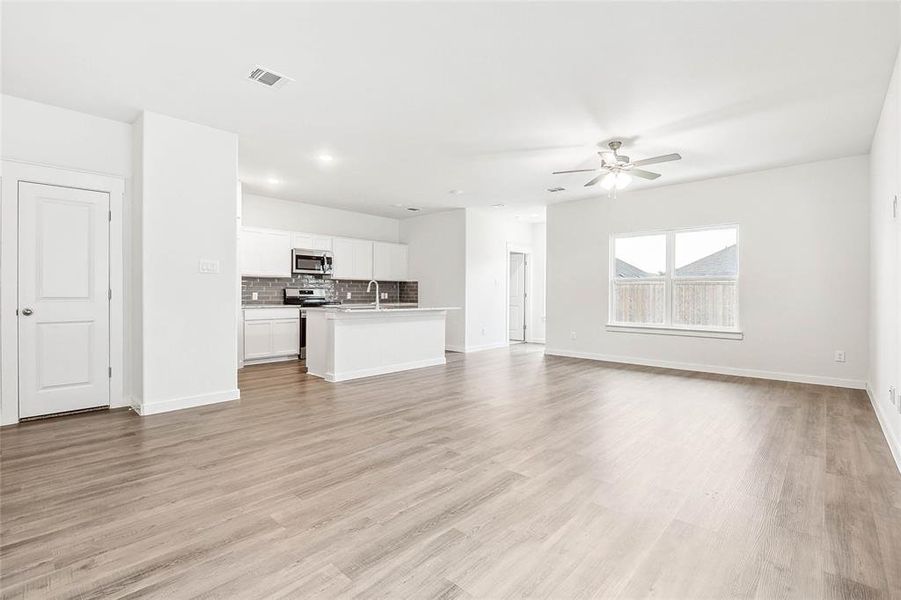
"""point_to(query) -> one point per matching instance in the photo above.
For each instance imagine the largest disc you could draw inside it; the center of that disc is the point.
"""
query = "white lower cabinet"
(271, 333)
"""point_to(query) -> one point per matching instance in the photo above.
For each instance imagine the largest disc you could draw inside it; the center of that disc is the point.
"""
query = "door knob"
(27, 312)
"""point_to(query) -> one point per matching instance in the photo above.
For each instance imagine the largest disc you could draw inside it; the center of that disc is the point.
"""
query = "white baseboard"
(535, 341)
(894, 443)
(153, 408)
(268, 359)
(490, 346)
(360, 373)
(856, 384)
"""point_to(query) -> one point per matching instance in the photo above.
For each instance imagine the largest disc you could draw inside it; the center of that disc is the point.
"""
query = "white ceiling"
(416, 99)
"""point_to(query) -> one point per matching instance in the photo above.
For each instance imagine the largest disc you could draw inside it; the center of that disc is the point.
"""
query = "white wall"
(188, 209)
(488, 233)
(38, 133)
(885, 266)
(436, 253)
(44, 134)
(803, 271)
(538, 285)
(260, 211)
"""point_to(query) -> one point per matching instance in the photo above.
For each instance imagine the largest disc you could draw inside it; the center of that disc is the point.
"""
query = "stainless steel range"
(306, 297)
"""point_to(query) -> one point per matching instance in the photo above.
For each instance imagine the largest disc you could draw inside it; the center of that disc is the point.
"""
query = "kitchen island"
(349, 343)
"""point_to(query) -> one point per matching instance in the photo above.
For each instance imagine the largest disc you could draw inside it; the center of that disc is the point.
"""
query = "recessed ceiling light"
(497, 205)
(273, 181)
(455, 192)
(326, 158)
(556, 189)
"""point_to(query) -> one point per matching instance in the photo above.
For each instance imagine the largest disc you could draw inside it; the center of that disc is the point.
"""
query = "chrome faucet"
(369, 287)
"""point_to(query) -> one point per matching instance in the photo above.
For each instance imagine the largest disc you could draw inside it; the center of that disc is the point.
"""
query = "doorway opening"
(518, 296)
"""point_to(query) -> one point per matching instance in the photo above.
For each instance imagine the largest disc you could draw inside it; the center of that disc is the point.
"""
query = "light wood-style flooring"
(502, 474)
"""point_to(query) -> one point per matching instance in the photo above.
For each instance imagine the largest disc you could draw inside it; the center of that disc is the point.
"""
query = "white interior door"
(517, 296)
(63, 299)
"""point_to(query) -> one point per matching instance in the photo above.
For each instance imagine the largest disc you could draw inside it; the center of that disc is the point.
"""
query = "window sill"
(723, 334)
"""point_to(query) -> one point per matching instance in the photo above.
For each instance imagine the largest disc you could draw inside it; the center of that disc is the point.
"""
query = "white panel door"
(63, 302)
(517, 297)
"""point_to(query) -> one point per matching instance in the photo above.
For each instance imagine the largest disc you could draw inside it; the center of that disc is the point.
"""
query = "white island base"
(347, 344)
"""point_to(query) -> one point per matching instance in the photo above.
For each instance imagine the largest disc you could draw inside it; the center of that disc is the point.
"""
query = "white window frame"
(668, 327)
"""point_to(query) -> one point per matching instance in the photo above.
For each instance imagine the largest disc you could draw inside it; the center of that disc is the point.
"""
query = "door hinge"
(895, 207)
(110, 372)
(109, 294)
(110, 214)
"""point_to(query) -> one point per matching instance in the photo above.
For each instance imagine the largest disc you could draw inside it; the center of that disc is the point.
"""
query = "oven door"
(311, 262)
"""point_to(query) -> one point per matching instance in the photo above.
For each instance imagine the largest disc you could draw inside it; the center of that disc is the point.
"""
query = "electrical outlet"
(839, 356)
(208, 266)
(348, 295)
(255, 296)
(572, 335)
(483, 331)
(384, 295)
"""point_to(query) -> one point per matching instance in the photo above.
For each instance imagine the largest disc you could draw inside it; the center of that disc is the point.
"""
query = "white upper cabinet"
(351, 259)
(265, 252)
(389, 261)
(311, 241)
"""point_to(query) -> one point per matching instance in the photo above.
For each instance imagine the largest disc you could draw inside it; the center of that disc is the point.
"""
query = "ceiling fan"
(618, 170)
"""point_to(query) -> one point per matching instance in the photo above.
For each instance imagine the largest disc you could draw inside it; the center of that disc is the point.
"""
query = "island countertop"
(379, 311)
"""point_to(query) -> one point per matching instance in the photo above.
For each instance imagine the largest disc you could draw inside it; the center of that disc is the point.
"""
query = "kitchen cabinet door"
(351, 259)
(399, 262)
(311, 241)
(389, 261)
(265, 253)
(342, 258)
(285, 336)
(362, 259)
(257, 339)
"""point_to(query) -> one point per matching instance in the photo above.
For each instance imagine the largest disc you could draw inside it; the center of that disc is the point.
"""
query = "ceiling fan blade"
(595, 180)
(573, 171)
(657, 159)
(642, 173)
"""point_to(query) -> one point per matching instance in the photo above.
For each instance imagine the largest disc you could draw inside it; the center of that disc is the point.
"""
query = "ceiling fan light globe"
(608, 181)
(622, 180)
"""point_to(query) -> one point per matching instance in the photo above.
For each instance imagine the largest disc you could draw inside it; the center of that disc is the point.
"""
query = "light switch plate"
(348, 295)
(384, 295)
(255, 296)
(208, 266)
(839, 356)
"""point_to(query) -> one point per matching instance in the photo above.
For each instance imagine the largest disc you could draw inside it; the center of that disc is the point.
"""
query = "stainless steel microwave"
(311, 262)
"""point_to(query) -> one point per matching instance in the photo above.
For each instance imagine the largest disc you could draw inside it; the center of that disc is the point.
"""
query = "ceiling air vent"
(556, 189)
(267, 77)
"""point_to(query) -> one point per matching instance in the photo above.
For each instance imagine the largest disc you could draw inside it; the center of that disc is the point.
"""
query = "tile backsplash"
(270, 289)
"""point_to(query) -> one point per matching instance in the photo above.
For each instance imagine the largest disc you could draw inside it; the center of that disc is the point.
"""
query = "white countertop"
(391, 305)
(369, 309)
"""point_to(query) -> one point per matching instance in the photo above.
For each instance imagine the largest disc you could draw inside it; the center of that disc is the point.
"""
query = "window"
(683, 280)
